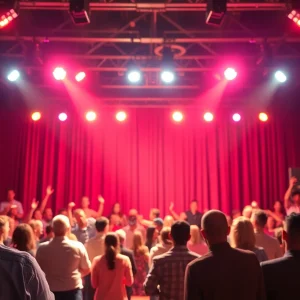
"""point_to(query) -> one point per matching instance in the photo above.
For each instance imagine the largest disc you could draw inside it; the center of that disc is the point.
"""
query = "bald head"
(60, 224)
(214, 227)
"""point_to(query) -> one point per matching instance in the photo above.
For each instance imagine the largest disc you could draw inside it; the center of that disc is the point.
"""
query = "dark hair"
(101, 223)
(155, 212)
(260, 218)
(111, 249)
(293, 226)
(48, 229)
(180, 232)
(194, 200)
(149, 236)
(23, 238)
(112, 210)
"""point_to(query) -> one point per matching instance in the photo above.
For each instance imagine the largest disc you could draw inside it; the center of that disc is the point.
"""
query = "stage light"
(263, 117)
(13, 75)
(59, 73)
(230, 73)
(62, 117)
(280, 76)
(80, 76)
(36, 116)
(167, 76)
(236, 117)
(11, 9)
(177, 116)
(121, 116)
(208, 117)
(295, 15)
(91, 116)
(215, 12)
(79, 10)
(134, 76)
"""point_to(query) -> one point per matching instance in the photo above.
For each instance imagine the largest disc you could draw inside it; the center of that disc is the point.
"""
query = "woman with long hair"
(111, 271)
(196, 243)
(141, 257)
(117, 219)
(242, 236)
(151, 237)
(23, 239)
(276, 217)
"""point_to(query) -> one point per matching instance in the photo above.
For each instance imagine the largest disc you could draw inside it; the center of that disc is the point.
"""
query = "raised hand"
(293, 180)
(49, 190)
(71, 205)
(171, 207)
(34, 204)
(101, 199)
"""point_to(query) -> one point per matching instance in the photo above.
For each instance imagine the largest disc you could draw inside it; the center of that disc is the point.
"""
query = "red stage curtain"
(149, 161)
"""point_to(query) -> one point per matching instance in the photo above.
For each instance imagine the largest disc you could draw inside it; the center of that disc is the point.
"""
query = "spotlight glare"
(230, 73)
(121, 116)
(280, 76)
(90, 116)
(13, 75)
(177, 116)
(80, 76)
(36, 116)
(236, 117)
(208, 117)
(59, 73)
(263, 117)
(62, 117)
(167, 76)
(134, 76)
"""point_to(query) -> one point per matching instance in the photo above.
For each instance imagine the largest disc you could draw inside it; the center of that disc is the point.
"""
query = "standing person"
(11, 203)
(276, 217)
(166, 276)
(271, 245)
(20, 274)
(110, 271)
(282, 275)
(23, 239)
(223, 273)
(91, 213)
(196, 243)
(64, 262)
(117, 219)
(151, 237)
(292, 198)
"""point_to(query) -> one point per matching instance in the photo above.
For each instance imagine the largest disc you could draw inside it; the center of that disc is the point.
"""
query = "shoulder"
(15, 256)
(76, 245)
(126, 251)
(274, 263)
(123, 258)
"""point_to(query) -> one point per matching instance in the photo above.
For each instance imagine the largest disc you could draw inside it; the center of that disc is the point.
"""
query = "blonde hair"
(168, 221)
(3, 220)
(242, 234)
(195, 235)
(138, 246)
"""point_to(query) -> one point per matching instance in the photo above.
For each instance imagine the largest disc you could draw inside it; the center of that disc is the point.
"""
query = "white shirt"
(62, 260)
(129, 235)
(270, 245)
(95, 246)
(293, 209)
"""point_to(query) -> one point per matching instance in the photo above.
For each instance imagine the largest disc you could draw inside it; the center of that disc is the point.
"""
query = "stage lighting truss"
(79, 11)
(11, 12)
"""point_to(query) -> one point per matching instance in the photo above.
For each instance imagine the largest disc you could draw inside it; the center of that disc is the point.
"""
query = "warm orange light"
(91, 116)
(263, 117)
(121, 116)
(177, 116)
(36, 116)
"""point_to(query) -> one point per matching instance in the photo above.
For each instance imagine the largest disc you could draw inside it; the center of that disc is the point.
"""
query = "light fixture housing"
(79, 11)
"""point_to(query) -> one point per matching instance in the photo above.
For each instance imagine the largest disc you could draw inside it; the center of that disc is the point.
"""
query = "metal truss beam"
(159, 7)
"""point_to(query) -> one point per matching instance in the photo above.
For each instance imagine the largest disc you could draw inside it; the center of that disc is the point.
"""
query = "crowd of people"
(81, 254)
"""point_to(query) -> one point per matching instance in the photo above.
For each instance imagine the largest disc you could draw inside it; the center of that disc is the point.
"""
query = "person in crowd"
(132, 227)
(168, 221)
(111, 271)
(117, 219)
(192, 216)
(159, 224)
(276, 217)
(166, 276)
(292, 198)
(196, 243)
(12, 227)
(141, 258)
(64, 262)
(63, 211)
(278, 236)
(224, 272)
(47, 216)
(247, 211)
(270, 244)
(281, 275)
(151, 237)
(38, 230)
(20, 274)
(23, 239)
(129, 253)
(242, 236)
(164, 245)
(11, 203)
(90, 213)
(154, 213)
(49, 234)
(235, 214)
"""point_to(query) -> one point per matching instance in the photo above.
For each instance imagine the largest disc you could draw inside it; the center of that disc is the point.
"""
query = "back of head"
(138, 242)
(3, 221)
(168, 221)
(155, 213)
(4, 227)
(122, 235)
(60, 224)
(215, 227)
(111, 249)
(23, 238)
(247, 211)
(101, 224)
(195, 235)
(165, 235)
(293, 228)
(259, 219)
(49, 229)
(242, 234)
(180, 232)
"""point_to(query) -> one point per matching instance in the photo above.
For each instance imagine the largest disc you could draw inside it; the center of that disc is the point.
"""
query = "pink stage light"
(230, 74)
(121, 116)
(177, 116)
(208, 117)
(91, 116)
(59, 73)
(36, 116)
(80, 76)
(263, 117)
(62, 117)
(236, 117)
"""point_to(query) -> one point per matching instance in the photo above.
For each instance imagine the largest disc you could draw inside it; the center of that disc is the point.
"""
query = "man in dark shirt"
(281, 275)
(193, 216)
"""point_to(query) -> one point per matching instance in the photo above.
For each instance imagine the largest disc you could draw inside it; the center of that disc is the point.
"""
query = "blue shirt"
(21, 277)
(83, 235)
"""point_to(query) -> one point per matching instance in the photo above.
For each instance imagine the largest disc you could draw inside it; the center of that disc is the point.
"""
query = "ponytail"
(110, 255)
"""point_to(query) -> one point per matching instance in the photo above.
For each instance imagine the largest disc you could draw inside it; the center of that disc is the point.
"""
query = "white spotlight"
(167, 76)
(280, 76)
(134, 76)
(13, 75)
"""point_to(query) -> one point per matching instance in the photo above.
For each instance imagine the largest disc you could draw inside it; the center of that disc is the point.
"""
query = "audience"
(196, 243)
(38, 230)
(23, 239)
(90, 213)
(276, 217)
(166, 276)
(64, 262)
(270, 244)
(224, 272)
(242, 236)
(117, 219)
(292, 198)
(49, 234)
(159, 224)
(110, 271)
(11, 203)
(281, 275)
(151, 237)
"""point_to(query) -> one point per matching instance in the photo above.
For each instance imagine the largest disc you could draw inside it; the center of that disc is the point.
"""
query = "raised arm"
(70, 213)
(49, 192)
(287, 194)
(173, 213)
(101, 206)
(33, 207)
